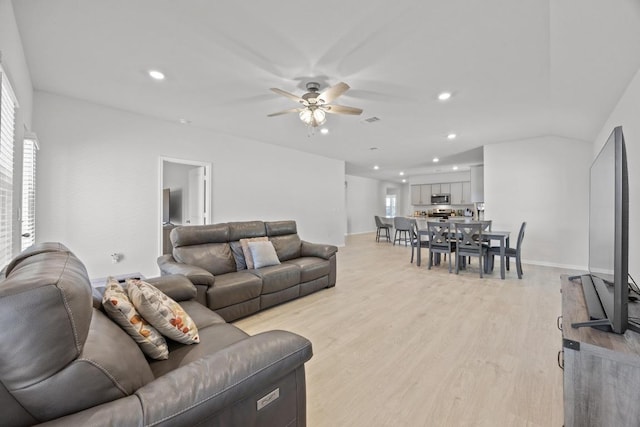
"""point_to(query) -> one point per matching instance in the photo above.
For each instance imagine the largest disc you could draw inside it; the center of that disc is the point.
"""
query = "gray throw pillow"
(264, 254)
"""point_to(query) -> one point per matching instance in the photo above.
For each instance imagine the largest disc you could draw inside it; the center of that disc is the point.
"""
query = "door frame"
(207, 203)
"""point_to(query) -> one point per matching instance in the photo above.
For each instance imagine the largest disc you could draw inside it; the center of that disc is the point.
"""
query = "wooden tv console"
(601, 370)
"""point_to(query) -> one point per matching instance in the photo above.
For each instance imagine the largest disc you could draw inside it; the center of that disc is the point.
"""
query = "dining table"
(501, 236)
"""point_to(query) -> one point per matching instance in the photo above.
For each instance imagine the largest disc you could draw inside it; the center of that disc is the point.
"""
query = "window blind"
(30, 150)
(8, 107)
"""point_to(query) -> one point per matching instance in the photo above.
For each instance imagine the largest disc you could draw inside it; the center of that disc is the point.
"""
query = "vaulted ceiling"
(516, 69)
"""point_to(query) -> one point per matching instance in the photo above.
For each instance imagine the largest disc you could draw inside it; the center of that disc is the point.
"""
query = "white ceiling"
(517, 69)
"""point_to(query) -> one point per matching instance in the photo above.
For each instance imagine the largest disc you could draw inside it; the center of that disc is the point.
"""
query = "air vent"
(372, 119)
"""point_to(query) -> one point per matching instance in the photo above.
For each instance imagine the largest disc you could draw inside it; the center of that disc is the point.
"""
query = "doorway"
(184, 196)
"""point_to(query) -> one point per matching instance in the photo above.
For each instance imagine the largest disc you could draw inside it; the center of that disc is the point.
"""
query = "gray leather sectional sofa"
(64, 362)
(212, 258)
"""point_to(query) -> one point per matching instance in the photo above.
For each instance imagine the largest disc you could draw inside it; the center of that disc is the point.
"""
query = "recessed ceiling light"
(404, 180)
(451, 136)
(156, 75)
(324, 131)
(376, 167)
(455, 168)
(185, 121)
(401, 173)
(444, 96)
(436, 160)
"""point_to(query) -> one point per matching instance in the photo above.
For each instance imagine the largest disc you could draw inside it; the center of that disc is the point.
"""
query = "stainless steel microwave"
(440, 199)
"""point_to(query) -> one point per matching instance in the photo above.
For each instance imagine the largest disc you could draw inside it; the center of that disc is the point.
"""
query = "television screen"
(166, 197)
(606, 287)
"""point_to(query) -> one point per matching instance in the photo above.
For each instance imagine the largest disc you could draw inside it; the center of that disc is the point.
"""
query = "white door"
(197, 214)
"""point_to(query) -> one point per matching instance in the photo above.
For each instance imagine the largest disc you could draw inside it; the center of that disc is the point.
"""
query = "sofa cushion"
(263, 254)
(233, 288)
(214, 338)
(248, 257)
(311, 268)
(120, 309)
(162, 312)
(201, 315)
(216, 258)
(199, 234)
(287, 246)
(278, 277)
(280, 228)
(246, 230)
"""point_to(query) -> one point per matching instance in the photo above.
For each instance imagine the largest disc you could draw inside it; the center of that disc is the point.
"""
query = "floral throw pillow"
(162, 312)
(119, 308)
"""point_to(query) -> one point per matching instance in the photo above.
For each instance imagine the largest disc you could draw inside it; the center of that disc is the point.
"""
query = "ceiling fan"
(315, 104)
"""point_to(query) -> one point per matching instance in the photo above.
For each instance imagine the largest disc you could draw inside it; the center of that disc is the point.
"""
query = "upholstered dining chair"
(440, 241)
(470, 243)
(382, 226)
(403, 228)
(510, 252)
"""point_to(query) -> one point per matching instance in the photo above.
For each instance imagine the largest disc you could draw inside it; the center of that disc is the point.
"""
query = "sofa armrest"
(249, 366)
(188, 396)
(175, 286)
(198, 276)
(317, 250)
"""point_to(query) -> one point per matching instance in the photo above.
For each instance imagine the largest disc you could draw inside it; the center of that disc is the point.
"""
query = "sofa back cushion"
(216, 258)
(59, 354)
(285, 239)
(246, 230)
(199, 234)
(205, 246)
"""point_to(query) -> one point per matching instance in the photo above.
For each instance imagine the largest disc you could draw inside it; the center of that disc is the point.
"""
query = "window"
(30, 150)
(390, 205)
(8, 105)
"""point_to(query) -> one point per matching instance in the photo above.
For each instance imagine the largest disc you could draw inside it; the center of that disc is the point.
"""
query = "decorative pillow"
(263, 254)
(119, 308)
(247, 253)
(162, 312)
(238, 255)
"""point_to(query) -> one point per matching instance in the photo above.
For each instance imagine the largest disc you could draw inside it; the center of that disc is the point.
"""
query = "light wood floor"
(398, 345)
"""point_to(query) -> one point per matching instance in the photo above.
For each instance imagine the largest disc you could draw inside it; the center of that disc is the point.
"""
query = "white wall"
(99, 190)
(545, 182)
(436, 178)
(15, 66)
(626, 114)
(366, 198)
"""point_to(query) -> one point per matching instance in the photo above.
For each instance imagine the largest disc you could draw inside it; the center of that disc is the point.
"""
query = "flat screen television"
(166, 204)
(606, 287)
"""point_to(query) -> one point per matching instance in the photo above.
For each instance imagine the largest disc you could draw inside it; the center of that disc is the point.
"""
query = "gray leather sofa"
(211, 257)
(64, 362)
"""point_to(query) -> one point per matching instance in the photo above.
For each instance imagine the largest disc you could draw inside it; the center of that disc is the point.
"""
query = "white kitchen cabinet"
(466, 193)
(425, 191)
(456, 193)
(435, 189)
(445, 188)
(415, 195)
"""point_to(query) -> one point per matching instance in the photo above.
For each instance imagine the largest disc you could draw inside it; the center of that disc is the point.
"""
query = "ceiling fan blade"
(288, 95)
(291, 110)
(341, 109)
(333, 92)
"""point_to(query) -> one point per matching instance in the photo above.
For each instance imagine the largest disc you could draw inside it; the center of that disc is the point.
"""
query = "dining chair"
(416, 239)
(380, 226)
(470, 243)
(510, 252)
(439, 241)
(403, 227)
